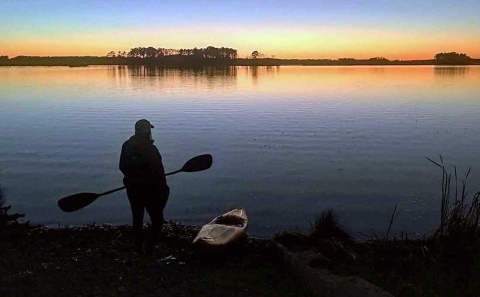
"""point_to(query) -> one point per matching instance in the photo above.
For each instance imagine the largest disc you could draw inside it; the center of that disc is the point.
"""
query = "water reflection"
(288, 140)
(451, 71)
(377, 70)
(164, 71)
(285, 80)
(212, 77)
(256, 71)
(155, 76)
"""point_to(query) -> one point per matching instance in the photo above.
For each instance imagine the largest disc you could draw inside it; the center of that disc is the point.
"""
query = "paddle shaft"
(121, 188)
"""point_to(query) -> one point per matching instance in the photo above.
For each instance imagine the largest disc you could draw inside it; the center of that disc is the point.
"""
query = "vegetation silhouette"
(443, 262)
(452, 58)
(6, 218)
(218, 56)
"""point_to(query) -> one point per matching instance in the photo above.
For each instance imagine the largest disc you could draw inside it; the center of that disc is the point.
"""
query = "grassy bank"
(99, 261)
(445, 263)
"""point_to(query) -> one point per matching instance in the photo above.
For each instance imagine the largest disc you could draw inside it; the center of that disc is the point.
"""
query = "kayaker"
(144, 178)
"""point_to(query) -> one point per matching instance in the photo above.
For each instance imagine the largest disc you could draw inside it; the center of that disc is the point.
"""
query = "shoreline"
(100, 261)
(241, 65)
(75, 62)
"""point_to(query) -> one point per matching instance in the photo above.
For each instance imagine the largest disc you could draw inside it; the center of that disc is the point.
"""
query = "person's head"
(143, 127)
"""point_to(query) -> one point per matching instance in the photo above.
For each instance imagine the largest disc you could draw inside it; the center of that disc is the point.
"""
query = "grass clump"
(459, 219)
(6, 218)
(327, 227)
(445, 263)
(326, 236)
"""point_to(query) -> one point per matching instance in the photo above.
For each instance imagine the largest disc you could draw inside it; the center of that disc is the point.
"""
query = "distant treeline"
(453, 59)
(150, 52)
(213, 56)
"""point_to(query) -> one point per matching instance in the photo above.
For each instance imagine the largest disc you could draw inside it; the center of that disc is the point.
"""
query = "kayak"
(223, 230)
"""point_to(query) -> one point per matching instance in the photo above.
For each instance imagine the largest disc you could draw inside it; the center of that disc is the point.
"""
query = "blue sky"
(284, 28)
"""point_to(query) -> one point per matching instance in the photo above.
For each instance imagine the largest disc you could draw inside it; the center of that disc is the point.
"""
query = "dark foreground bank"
(99, 261)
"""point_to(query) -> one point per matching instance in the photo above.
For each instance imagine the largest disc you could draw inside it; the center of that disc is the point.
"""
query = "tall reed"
(459, 219)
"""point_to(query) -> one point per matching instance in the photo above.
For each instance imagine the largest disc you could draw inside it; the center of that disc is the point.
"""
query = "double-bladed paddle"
(80, 200)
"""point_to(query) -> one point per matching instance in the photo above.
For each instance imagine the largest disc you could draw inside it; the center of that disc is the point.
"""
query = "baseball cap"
(143, 126)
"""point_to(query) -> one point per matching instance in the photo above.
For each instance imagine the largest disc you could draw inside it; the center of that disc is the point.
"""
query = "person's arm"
(158, 169)
(122, 163)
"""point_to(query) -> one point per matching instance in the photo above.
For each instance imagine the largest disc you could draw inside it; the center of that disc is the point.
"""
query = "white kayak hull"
(223, 230)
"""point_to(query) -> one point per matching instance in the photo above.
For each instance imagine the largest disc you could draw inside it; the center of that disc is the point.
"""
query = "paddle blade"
(76, 201)
(198, 163)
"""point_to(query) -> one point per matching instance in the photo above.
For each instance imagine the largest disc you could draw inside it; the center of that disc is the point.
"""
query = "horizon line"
(244, 58)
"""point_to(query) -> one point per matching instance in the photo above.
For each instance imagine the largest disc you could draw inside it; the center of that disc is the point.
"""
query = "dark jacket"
(141, 164)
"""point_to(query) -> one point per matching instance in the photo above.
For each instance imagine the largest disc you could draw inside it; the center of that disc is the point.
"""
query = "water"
(288, 142)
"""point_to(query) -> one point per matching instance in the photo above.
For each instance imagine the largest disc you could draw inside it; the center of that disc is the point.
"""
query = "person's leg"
(155, 211)
(137, 214)
(156, 217)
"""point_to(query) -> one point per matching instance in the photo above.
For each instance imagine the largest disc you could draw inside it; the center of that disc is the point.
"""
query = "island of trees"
(218, 56)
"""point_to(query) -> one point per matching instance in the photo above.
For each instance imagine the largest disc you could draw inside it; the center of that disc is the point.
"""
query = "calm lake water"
(287, 142)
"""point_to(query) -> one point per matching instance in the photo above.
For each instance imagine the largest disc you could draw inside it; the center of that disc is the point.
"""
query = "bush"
(327, 227)
(5, 218)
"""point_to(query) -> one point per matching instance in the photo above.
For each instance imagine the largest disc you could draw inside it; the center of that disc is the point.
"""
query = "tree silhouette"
(150, 52)
(452, 58)
(216, 56)
(379, 59)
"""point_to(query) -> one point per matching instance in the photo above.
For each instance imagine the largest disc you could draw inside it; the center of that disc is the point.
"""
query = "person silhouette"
(144, 178)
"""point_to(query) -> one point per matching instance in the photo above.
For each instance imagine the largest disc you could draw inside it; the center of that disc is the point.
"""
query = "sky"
(395, 29)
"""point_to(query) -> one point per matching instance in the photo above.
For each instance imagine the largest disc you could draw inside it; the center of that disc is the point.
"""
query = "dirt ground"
(99, 261)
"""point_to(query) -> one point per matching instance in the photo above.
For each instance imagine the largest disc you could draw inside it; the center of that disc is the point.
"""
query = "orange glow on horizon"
(301, 43)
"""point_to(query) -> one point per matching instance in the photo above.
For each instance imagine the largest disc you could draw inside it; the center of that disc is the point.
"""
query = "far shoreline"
(262, 62)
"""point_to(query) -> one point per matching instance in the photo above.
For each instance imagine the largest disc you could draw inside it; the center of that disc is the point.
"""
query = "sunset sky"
(396, 29)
